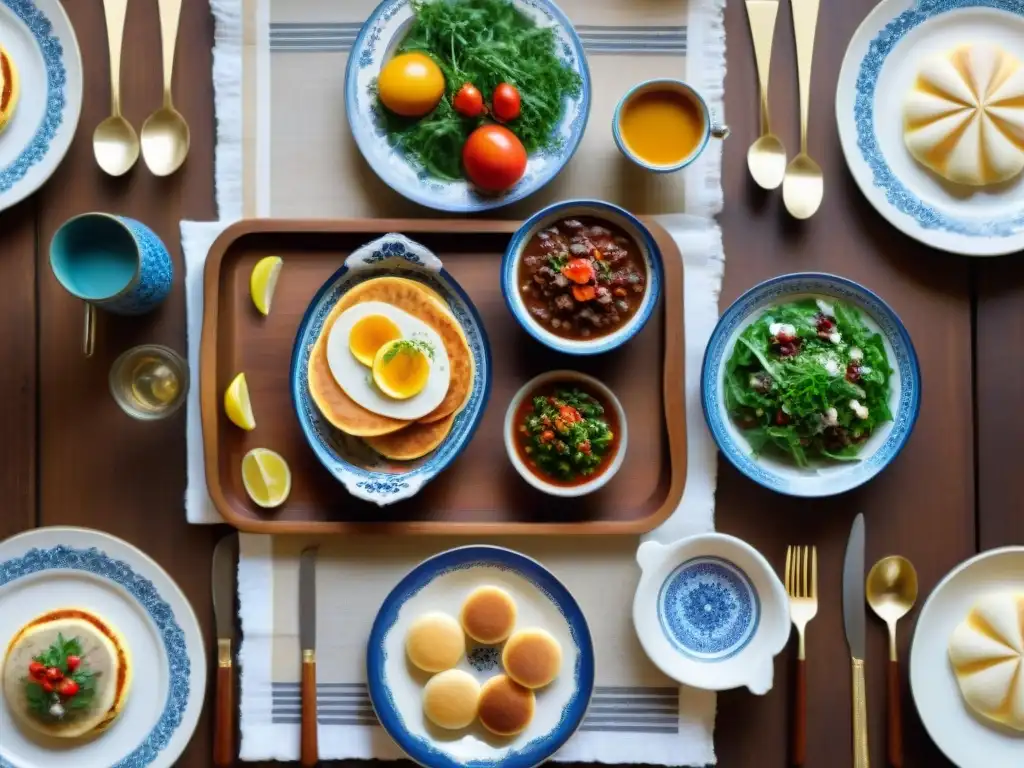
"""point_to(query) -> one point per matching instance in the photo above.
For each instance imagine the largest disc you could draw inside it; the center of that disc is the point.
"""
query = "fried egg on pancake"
(418, 380)
(413, 441)
(412, 297)
(10, 87)
(104, 653)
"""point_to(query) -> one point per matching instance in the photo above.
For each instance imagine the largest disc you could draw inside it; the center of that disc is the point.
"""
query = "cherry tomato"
(47, 686)
(494, 158)
(53, 674)
(67, 687)
(73, 662)
(505, 102)
(469, 102)
(37, 670)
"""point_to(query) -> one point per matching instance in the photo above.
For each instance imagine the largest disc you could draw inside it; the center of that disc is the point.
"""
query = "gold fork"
(803, 606)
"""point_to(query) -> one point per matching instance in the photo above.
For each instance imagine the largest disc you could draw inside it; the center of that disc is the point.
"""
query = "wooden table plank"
(18, 369)
(929, 488)
(98, 467)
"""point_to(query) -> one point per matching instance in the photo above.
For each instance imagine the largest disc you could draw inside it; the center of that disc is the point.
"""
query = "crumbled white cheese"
(831, 366)
(831, 417)
(754, 382)
(861, 410)
(856, 353)
(826, 309)
(835, 337)
(56, 710)
(865, 369)
(776, 328)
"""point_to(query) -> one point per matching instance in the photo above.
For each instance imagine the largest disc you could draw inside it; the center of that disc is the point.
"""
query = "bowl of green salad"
(565, 433)
(810, 384)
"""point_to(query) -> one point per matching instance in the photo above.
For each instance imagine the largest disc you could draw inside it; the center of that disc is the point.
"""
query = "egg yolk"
(400, 370)
(410, 85)
(369, 334)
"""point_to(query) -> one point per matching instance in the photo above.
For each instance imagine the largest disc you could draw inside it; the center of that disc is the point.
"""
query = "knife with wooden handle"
(225, 592)
(309, 749)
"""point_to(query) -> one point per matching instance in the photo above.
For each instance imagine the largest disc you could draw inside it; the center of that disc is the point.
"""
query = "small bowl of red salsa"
(582, 277)
(565, 433)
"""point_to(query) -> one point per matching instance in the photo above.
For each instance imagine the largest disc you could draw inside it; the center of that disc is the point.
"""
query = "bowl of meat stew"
(582, 277)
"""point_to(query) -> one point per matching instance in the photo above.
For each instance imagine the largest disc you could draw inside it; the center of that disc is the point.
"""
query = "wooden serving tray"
(480, 493)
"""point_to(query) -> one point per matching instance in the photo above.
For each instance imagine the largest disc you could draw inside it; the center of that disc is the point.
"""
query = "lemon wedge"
(263, 281)
(266, 477)
(237, 405)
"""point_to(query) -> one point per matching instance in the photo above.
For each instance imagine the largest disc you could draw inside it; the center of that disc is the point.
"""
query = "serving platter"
(881, 62)
(480, 492)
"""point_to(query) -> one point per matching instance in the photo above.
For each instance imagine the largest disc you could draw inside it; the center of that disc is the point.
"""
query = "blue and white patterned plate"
(880, 449)
(363, 473)
(51, 568)
(376, 42)
(710, 612)
(881, 63)
(39, 37)
(441, 583)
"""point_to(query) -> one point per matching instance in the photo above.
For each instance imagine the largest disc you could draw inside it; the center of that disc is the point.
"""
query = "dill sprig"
(486, 43)
(408, 347)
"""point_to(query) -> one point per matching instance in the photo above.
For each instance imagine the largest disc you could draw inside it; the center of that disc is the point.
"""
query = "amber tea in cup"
(663, 125)
(149, 382)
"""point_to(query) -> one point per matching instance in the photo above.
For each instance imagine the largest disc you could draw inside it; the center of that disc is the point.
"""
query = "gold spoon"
(766, 157)
(891, 591)
(114, 141)
(165, 134)
(803, 185)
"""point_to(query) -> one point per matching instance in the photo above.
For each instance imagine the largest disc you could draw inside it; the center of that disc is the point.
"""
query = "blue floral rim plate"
(441, 583)
(880, 449)
(599, 209)
(42, 44)
(881, 61)
(374, 45)
(109, 576)
(363, 473)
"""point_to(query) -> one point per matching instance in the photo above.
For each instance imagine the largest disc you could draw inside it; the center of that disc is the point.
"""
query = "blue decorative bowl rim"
(536, 751)
(430, 469)
(629, 154)
(481, 203)
(602, 344)
(751, 302)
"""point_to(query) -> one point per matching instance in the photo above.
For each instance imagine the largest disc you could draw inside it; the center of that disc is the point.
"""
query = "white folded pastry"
(987, 654)
(964, 117)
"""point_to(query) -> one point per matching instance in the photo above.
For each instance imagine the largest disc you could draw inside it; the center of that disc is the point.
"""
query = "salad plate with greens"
(810, 385)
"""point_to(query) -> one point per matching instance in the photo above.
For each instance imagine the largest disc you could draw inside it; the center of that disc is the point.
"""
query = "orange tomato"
(494, 158)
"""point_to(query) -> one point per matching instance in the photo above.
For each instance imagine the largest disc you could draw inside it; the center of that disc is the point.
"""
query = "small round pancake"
(450, 699)
(10, 87)
(435, 642)
(505, 707)
(532, 657)
(413, 441)
(414, 299)
(488, 615)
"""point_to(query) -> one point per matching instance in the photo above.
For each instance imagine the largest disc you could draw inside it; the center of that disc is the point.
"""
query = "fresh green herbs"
(565, 435)
(485, 43)
(808, 380)
(408, 347)
(60, 682)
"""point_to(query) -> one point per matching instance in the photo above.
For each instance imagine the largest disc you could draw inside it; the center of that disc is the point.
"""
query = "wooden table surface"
(69, 456)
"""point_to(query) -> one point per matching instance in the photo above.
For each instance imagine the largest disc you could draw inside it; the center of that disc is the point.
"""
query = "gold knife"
(854, 608)
(225, 593)
(309, 752)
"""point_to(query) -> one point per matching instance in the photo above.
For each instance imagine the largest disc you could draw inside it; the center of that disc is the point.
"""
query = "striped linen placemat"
(637, 715)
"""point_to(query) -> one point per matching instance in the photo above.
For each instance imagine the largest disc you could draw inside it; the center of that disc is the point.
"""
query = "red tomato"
(505, 102)
(469, 102)
(494, 158)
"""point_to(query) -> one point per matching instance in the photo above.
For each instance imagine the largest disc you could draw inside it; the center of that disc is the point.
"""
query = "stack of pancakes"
(395, 438)
(103, 649)
(9, 87)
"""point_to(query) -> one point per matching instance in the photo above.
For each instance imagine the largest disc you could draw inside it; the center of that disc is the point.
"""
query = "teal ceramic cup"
(111, 262)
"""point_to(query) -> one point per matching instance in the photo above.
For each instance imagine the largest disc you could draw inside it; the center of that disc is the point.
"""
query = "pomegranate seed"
(853, 373)
(781, 418)
(785, 338)
(824, 323)
(788, 349)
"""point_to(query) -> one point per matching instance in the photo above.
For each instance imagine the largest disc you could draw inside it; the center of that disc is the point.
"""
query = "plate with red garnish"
(101, 657)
